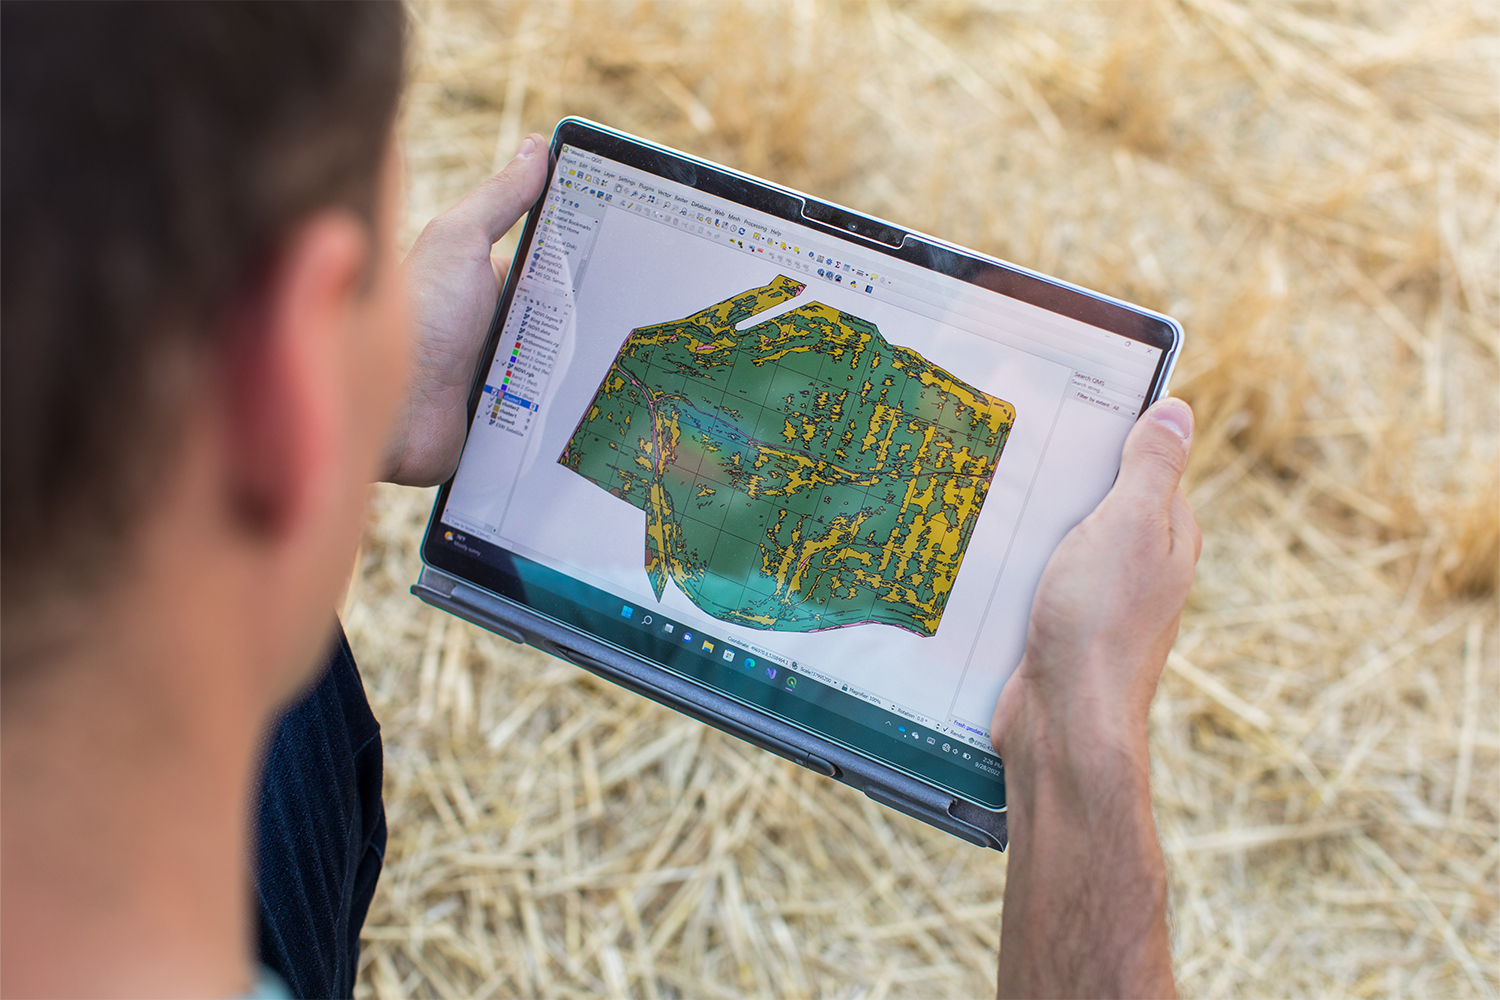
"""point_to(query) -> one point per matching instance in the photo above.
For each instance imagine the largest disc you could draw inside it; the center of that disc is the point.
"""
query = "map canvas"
(640, 274)
(798, 472)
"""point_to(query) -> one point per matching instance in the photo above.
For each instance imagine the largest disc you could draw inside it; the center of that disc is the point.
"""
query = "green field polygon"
(798, 475)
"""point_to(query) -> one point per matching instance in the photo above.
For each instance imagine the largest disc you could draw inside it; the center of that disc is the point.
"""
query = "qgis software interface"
(803, 460)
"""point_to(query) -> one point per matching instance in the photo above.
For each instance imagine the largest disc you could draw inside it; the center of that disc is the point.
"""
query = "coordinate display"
(798, 475)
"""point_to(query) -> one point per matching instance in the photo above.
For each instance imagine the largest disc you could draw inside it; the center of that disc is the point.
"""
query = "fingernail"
(527, 148)
(1176, 414)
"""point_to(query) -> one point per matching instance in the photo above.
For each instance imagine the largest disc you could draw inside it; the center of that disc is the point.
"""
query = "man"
(208, 351)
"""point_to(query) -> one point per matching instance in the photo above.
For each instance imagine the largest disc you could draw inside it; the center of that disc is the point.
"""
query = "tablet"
(783, 466)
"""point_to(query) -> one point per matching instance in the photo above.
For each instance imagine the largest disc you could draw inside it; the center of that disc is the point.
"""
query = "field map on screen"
(798, 475)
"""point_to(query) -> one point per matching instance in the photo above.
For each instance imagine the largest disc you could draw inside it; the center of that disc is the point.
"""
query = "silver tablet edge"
(885, 784)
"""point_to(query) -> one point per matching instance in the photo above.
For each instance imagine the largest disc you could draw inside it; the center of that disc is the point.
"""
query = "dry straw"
(1312, 189)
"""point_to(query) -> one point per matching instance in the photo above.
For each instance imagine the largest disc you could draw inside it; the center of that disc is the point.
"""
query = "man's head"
(200, 305)
(205, 340)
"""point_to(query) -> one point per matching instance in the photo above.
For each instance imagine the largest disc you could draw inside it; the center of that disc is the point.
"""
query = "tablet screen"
(801, 470)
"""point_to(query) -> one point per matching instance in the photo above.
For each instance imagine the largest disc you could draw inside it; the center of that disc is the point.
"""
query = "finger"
(495, 205)
(1156, 455)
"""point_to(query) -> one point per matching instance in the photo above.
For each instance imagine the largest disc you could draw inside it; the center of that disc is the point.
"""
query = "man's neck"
(126, 849)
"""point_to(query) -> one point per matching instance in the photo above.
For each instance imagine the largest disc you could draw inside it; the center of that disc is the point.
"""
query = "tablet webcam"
(859, 225)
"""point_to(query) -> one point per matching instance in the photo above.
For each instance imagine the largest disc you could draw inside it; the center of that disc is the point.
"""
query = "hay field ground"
(1312, 189)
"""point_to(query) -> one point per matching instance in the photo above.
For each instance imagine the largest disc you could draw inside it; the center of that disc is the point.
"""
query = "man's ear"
(284, 383)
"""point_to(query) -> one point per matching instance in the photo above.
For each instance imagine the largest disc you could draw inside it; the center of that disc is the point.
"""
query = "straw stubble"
(1312, 191)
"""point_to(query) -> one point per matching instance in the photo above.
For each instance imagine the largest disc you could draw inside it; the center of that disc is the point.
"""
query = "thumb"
(495, 205)
(1155, 455)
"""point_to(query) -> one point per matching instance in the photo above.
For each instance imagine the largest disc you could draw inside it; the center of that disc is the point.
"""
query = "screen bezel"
(544, 591)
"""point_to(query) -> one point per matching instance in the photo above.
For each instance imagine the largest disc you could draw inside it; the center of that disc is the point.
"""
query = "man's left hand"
(454, 285)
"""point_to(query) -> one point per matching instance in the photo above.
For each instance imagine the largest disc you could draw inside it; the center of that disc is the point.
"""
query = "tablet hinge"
(446, 602)
(440, 582)
(938, 815)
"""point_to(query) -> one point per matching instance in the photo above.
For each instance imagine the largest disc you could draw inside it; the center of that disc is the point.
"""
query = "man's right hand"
(1108, 605)
(1085, 898)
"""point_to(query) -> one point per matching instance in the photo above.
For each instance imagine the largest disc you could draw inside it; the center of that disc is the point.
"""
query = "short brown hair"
(153, 156)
